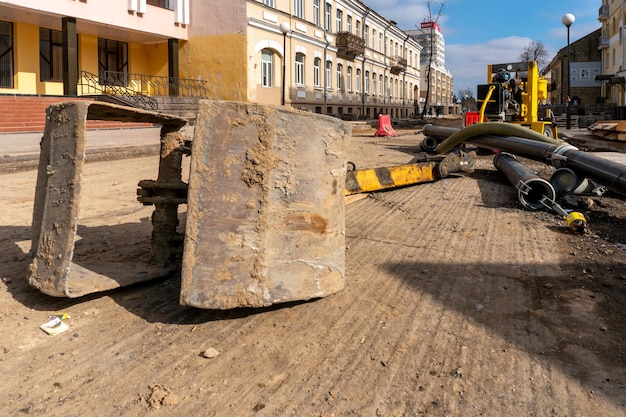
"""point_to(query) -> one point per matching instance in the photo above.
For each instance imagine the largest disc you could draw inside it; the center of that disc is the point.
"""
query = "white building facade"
(438, 97)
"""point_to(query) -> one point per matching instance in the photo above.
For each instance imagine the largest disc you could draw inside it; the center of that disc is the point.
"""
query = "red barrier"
(384, 126)
(471, 118)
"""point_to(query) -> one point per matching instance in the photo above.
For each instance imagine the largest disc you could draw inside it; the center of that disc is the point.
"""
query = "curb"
(26, 162)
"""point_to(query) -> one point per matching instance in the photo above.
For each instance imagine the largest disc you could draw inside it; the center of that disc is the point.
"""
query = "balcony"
(398, 65)
(603, 13)
(349, 45)
(604, 42)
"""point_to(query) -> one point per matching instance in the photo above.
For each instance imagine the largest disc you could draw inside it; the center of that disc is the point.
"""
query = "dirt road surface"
(459, 302)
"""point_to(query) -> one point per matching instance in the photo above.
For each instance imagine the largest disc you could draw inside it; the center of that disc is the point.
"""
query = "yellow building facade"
(325, 56)
(44, 41)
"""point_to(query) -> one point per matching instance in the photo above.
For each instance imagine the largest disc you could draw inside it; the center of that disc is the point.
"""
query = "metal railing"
(154, 85)
(92, 84)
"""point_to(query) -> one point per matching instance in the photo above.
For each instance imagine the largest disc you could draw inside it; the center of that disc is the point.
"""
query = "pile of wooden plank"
(609, 129)
(601, 136)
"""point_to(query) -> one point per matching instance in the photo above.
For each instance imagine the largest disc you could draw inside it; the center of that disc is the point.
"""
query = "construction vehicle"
(512, 94)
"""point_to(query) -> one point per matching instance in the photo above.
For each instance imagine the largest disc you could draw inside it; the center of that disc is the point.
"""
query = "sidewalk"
(19, 151)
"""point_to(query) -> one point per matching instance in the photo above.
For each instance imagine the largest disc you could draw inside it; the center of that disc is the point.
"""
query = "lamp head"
(285, 28)
(568, 19)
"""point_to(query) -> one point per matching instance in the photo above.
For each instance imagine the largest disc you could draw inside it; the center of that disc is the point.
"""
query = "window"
(374, 39)
(367, 82)
(300, 68)
(112, 60)
(298, 8)
(380, 41)
(267, 70)
(316, 12)
(374, 83)
(366, 35)
(339, 21)
(358, 80)
(167, 3)
(327, 79)
(339, 77)
(349, 79)
(349, 23)
(316, 72)
(6, 54)
(327, 16)
(358, 27)
(381, 87)
(50, 55)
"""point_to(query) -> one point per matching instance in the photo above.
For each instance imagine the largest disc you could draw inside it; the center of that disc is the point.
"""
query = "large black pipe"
(531, 189)
(562, 155)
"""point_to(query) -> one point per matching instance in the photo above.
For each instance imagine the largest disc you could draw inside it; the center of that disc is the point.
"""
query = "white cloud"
(468, 62)
(407, 16)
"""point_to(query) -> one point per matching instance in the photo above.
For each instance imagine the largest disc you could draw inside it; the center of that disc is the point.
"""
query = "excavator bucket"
(265, 206)
(265, 212)
(57, 197)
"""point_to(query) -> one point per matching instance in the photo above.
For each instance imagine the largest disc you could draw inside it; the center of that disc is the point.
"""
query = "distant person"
(430, 112)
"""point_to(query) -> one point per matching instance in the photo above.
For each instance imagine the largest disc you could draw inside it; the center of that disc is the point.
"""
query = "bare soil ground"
(459, 302)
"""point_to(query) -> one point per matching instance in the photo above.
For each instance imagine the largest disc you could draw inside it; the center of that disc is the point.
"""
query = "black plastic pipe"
(611, 174)
(531, 189)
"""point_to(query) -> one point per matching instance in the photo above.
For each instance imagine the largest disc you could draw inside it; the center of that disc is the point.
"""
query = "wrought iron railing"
(92, 84)
(154, 85)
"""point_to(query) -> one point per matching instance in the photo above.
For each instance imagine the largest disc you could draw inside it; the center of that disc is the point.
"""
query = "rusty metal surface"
(57, 201)
(265, 215)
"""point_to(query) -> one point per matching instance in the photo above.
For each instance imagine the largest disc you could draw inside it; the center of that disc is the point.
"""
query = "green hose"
(492, 128)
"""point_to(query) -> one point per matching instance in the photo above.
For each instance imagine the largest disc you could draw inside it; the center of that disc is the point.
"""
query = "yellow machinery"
(513, 94)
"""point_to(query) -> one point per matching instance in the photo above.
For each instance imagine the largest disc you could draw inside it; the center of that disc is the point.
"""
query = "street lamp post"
(568, 20)
(284, 28)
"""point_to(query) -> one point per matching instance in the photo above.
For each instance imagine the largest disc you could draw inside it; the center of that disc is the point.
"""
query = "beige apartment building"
(324, 56)
(611, 15)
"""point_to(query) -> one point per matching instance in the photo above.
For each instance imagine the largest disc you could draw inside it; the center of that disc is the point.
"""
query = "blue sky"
(478, 33)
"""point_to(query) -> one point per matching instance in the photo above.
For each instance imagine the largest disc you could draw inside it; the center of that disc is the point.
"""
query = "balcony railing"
(605, 42)
(349, 45)
(398, 65)
(603, 13)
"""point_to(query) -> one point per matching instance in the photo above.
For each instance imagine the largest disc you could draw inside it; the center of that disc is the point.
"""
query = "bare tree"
(430, 4)
(535, 51)
(468, 102)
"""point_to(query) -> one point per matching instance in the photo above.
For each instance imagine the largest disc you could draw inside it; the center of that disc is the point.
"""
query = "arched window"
(374, 83)
(358, 80)
(327, 80)
(367, 82)
(300, 68)
(349, 78)
(267, 68)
